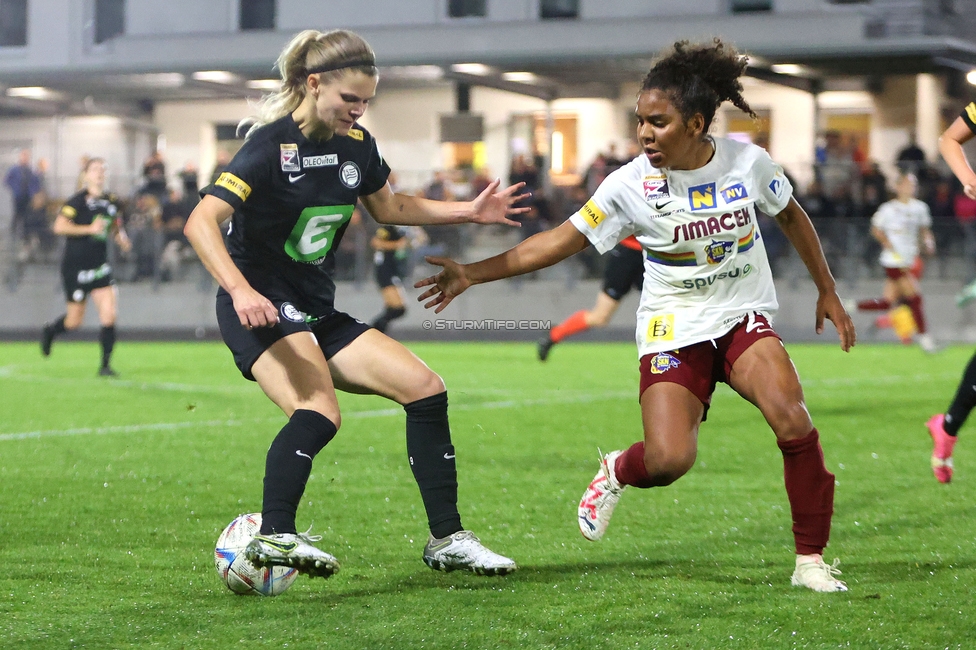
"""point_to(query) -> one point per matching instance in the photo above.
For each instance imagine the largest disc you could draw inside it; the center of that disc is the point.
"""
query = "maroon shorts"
(698, 367)
(895, 273)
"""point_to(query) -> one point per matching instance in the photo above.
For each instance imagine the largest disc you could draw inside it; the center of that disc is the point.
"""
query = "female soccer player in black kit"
(86, 220)
(291, 191)
(390, 244)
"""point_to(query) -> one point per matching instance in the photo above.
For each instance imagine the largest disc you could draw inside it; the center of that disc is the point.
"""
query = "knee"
(428, 385)
(323, 408)
(72, 323)
(667, 467)
(790, 421)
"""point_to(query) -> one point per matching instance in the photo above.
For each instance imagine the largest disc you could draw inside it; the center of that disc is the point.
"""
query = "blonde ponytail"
(328, 54)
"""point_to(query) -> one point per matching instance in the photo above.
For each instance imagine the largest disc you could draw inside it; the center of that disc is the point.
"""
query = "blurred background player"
(391, 245)
(692, 332)
(625, 270)
(903, 228)
(86, 220)
(944, 427)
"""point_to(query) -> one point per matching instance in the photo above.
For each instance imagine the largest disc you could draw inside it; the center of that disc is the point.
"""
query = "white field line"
(355, 415)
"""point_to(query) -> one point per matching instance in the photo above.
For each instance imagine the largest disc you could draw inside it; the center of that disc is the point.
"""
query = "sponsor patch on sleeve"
(355, 134)
(68, 212)
(235, 185)
(971, 113)
(592, 214)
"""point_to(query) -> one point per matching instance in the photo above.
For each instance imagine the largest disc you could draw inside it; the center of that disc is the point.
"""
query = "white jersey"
(705, 266)
(901, 223)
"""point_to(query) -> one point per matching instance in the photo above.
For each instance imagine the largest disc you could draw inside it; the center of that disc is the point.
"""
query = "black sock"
(106, 336)
(964, 401)
(431, 457)
(288, 465)
(56, 326)
(389, 315)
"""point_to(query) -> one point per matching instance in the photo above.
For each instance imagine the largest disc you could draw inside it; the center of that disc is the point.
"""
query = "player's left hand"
(829, 306)
(493, 206)
(445, 286)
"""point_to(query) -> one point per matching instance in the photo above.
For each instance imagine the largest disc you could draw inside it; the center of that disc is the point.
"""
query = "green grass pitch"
(112, 493)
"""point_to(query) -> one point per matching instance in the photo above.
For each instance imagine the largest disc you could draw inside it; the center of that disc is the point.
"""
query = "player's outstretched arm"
(202, 229)
(799, 230)
(950, 146)
(536, 252)
(491, 206)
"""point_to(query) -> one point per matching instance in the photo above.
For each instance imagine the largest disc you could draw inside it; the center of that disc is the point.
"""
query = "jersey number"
(311, 238)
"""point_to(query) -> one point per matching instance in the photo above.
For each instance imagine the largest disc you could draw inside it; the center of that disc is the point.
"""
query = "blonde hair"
(329, 54)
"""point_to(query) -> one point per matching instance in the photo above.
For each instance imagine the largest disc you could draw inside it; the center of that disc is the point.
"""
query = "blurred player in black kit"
(291, 190)
(391, 245)
(87, 220)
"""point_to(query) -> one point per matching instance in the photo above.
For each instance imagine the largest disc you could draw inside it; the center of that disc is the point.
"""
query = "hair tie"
(340, 66)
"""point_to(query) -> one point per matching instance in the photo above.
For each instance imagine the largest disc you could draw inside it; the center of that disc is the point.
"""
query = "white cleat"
(812, 572)
(464, 551)
(293, 550)
(600, 498)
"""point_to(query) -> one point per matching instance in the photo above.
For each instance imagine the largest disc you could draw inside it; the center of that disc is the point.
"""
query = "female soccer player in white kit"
(708, 294)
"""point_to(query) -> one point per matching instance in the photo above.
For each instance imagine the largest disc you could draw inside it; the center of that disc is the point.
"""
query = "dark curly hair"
(699, 77)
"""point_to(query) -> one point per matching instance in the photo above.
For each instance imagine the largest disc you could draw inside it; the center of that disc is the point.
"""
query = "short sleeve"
(775, 190)
(926, 219)
(880, 218)
(377, 171)
(601, 219)
(968, 116)
(70, 209)
(248, 171)
(383, 233)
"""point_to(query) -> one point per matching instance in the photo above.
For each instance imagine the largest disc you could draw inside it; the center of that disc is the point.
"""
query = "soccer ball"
(237, 572)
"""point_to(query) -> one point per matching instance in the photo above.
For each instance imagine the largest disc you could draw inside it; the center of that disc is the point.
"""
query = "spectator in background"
(911, 159)
(190, 185)
(175, 247)
(223, 159)
(836, 170)
(439, 188)
(523, 171)
(143, 227)
(154, 176)
(40, 170)
(481, 179)
(23, 184)
(82, 166)
(595, 174)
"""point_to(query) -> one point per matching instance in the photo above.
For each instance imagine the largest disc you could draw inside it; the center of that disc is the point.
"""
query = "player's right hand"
(253, 309)
(445, 286)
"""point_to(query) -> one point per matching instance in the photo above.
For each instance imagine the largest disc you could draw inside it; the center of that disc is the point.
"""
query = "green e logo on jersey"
(311, 238)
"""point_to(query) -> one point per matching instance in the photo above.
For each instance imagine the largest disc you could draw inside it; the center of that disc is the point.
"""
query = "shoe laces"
(610, 478)
(308, 537)
(830, 571)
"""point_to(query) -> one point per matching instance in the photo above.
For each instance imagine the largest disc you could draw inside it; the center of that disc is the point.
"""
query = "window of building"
(558, 9)
(109, 19)
(13, 23)
(467, 8)
(257, 14)
(747, 6)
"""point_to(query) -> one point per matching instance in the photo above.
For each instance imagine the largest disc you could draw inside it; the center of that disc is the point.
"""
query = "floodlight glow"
(32, 92)
(264, 84)
(557, 152)
(787, 68)
(216, 76)
(521, 77)
(424, 72)
(479, 69)
(150, 79)
(971, 77)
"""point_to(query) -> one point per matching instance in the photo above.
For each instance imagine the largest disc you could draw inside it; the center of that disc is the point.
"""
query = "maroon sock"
(915, 304)
(874, 304)
(630, 469)
(810, 488)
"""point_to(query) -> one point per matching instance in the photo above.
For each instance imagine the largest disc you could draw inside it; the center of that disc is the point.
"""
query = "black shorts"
(625, 270)
(389, 272)
(78, 283)
(333, 331)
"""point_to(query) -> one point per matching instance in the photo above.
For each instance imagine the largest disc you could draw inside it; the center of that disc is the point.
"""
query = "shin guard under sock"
(432, 461)
(810, 488)
(288, 466)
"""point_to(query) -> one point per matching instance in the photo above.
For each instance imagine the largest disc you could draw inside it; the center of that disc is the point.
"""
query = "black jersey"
(89, 251)
(293, 198)
(391, 234)
(969, 116)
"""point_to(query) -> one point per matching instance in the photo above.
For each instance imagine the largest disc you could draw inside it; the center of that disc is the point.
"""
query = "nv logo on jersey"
(702, 197)
(734, 193)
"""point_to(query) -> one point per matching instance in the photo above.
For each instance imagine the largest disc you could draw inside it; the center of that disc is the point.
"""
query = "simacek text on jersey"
(487, 324)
